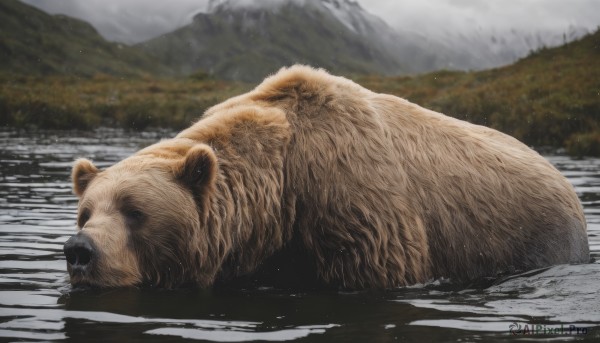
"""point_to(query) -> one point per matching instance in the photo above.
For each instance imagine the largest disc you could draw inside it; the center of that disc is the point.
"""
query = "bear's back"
(383, 193)
(418, 186)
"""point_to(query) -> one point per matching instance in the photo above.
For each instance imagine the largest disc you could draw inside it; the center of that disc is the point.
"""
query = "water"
(37, 215)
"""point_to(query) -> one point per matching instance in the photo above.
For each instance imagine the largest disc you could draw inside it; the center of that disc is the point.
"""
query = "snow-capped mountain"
(426, 35)
(347, 12)
(337, 34)
(247, 39)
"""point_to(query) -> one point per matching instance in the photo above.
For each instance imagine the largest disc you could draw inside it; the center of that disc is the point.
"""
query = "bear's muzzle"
(80, 252)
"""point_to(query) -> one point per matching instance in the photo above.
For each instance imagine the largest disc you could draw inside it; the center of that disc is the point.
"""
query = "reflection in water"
(37, 215)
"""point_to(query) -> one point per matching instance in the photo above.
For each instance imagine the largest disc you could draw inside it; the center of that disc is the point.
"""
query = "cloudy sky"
(132, 21)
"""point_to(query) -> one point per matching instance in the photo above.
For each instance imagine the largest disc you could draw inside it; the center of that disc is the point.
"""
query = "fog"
(132, 21)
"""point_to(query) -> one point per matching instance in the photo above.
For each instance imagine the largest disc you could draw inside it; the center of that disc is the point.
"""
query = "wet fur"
(377, 191)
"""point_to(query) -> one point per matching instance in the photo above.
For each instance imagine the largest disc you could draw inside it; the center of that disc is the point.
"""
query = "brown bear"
(375, 192)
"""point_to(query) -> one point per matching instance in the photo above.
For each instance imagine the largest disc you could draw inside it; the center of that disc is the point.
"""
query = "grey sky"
(132, 21)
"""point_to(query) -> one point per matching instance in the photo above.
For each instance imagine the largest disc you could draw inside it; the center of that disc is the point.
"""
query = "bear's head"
(142, 221)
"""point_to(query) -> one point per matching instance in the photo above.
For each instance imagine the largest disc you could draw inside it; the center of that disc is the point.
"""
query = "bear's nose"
(79, 251)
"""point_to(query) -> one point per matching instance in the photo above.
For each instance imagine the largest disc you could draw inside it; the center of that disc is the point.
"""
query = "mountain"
(454, 35)
(34, 42)
(246, 40)
(550, 98)
(480, 49)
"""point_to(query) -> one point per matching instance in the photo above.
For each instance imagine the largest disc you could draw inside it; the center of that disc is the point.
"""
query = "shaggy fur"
(376, 191)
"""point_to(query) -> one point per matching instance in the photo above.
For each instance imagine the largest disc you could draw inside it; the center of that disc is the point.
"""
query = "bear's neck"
(245, 216)
(247, 208)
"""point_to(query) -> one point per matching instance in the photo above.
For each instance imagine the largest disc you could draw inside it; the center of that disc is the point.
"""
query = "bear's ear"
(83, 172)
(198, 169)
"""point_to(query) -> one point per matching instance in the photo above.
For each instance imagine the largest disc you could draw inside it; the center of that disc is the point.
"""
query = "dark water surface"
(37, 215)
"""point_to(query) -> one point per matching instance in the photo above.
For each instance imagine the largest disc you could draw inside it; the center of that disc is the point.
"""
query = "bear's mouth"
(97, 275)
(79, 277)
(82, 286)
(82, 280)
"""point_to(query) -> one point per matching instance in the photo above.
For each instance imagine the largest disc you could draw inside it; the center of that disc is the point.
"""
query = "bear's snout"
(79, 251)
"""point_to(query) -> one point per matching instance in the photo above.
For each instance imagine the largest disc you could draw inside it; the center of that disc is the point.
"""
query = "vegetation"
(67, 102)
(551, 98)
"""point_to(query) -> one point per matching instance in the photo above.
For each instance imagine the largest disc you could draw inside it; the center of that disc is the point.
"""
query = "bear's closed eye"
(133, 217)
(84, 216)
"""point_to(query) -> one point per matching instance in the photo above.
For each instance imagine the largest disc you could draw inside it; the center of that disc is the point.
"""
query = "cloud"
(128, 21)
(431, 16)
(132, 21)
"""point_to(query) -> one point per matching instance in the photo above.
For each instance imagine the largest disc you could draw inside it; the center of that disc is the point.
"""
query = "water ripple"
(38, 213)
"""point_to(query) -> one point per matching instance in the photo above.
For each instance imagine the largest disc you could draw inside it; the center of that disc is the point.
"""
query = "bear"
(363, 190)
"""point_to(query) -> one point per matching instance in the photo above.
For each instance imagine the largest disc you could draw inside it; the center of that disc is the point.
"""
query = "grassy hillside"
(551, 98)
(34, 42)
(62, 102)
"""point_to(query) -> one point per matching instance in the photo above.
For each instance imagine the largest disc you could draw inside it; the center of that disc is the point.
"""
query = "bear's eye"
(84, 216)
(133, 217)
